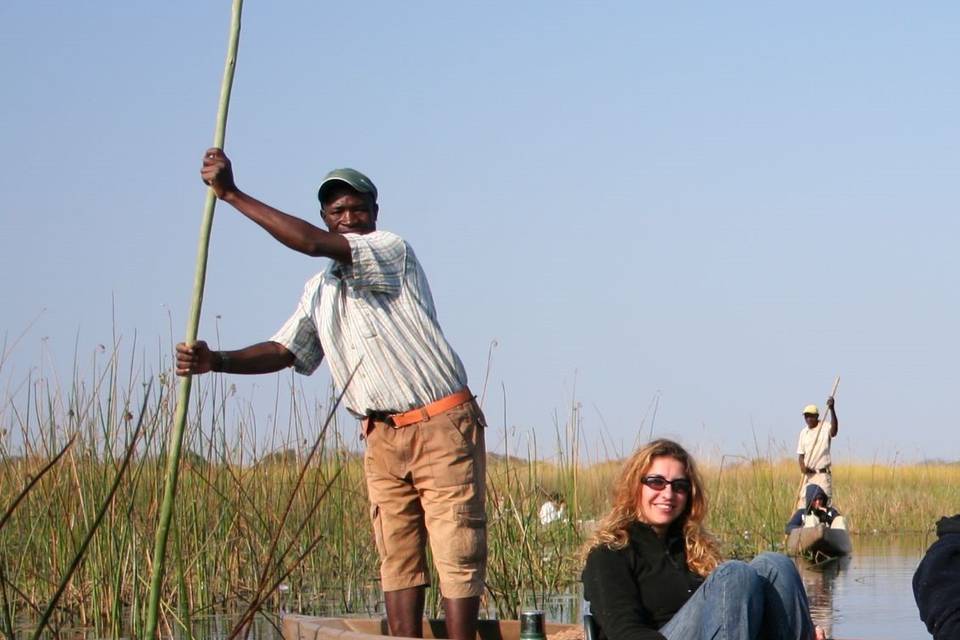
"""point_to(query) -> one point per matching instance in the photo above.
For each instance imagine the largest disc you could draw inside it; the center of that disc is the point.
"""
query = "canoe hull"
(821, 539)
(296, 627)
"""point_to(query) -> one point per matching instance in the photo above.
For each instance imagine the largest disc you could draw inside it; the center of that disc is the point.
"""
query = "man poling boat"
(817, 527)
(813, 448)
(370, 314)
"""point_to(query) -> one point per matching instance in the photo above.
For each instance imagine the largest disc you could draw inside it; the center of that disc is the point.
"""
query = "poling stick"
(193, 322)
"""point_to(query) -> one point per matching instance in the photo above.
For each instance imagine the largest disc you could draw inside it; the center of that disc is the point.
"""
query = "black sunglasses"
(659, 483)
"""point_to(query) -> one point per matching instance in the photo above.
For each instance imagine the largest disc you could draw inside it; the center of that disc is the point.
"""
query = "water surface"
(869, 594)
(866, 596)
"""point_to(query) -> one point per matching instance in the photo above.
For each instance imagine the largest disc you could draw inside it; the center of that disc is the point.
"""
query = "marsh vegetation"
(261, 525)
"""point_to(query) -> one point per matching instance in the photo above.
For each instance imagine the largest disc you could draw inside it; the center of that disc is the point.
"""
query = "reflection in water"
(818, 580)
(868, 594)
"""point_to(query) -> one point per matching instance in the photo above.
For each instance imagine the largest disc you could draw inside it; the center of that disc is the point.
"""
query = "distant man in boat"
(813, 449)
(370, 313)
(817, 505)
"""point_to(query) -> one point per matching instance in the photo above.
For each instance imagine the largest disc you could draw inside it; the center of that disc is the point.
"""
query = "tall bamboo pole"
(193, 322)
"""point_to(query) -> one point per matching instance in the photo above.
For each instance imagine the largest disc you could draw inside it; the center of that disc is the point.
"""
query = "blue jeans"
(741, 601)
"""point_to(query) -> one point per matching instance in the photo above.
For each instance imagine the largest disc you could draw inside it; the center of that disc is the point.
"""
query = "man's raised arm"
(834, 421)
(295, 233)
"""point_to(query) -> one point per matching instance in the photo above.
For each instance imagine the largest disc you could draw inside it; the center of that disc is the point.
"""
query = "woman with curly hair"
(653, 571)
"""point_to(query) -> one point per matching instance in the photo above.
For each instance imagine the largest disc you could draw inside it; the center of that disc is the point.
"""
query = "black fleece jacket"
(636, 590)
(936, 583)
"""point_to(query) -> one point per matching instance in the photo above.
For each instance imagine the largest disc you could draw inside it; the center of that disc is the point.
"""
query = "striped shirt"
(377, 313)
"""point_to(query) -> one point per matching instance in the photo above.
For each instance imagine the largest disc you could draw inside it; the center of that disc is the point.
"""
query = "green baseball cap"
(352, 178)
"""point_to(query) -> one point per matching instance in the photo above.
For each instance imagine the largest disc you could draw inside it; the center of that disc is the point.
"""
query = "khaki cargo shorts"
(426, 481)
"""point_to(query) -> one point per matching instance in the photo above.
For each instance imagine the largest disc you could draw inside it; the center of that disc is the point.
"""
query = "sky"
(685, 219)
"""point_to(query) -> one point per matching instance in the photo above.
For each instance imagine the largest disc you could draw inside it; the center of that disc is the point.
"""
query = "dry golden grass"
(231, 496)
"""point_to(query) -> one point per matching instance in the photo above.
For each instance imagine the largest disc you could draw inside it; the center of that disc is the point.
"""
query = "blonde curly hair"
(703, 552)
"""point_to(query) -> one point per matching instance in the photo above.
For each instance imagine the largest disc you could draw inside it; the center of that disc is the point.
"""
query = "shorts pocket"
(474, 409)
(463, 423)
(375, 519)
(470, 544)
(369, 450)
(452, 443)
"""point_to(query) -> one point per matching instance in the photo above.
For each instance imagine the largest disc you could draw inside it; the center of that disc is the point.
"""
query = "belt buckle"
(381, 416)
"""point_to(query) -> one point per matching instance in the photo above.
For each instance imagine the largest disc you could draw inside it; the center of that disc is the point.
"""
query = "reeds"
(234, 538)
(230, 545)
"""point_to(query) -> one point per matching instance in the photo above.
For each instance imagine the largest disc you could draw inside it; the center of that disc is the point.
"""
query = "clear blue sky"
(722, 206)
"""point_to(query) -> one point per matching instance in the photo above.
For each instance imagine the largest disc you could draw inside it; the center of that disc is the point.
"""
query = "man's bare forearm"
(291, 231)
(264, 357)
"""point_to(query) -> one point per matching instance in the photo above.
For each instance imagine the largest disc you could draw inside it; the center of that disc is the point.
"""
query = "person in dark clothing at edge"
(818, 504)
(936, 583)
(652, 570)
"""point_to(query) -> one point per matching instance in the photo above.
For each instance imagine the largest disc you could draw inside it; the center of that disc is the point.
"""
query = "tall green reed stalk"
(530, 561)
(183, 397)
(6, 612)
(101, 512)
(274, 571)
(229, 529)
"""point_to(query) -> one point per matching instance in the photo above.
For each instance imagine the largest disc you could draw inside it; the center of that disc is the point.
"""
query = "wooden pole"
(816, 437)
(193, 322)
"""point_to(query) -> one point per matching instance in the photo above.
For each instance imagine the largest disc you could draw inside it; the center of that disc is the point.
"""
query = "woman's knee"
(769, 564)
(737, 575)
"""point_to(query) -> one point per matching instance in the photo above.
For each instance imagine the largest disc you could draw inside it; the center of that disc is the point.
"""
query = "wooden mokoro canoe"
(819, 539)
(296, 627)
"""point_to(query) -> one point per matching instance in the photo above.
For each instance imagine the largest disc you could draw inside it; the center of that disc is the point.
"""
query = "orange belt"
(433, 409)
